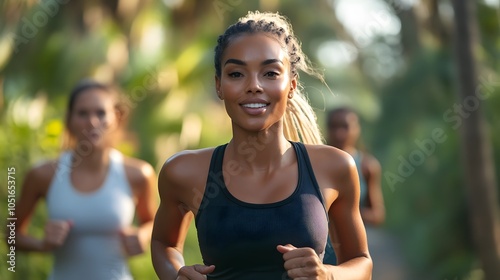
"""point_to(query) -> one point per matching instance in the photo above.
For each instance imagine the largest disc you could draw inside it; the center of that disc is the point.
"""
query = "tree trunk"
(476, 147)
(410, 32)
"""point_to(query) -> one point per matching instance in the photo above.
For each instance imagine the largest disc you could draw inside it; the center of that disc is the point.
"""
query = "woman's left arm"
(338, 180)
(143, 180)
(374, 212)
(346, 226)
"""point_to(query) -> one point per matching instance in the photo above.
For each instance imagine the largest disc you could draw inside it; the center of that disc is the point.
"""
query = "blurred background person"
(92, 192)
(343, 132)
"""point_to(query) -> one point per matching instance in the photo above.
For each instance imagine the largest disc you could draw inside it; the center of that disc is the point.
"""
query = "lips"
(93, 134)
(255, 107)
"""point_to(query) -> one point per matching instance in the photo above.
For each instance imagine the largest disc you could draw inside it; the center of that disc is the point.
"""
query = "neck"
(351, 150)
(94, 160)
(263, 151)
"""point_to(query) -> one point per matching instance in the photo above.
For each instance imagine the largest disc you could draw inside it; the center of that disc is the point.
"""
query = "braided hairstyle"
(299, 121)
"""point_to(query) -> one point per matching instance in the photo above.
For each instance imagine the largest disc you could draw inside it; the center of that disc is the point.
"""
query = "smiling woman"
(299, 120)
(263, 66)
(267, 197)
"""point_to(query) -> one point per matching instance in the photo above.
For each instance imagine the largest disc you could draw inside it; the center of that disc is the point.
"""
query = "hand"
(302, 263)
(131, 242)
(194, 272)
(56, 232)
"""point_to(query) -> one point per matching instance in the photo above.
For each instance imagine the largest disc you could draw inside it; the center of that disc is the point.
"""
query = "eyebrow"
(241, 62)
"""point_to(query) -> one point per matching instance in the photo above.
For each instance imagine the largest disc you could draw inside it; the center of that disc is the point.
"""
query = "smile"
(254, 105)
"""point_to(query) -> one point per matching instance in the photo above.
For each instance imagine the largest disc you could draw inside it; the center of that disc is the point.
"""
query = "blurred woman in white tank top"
(92, 193)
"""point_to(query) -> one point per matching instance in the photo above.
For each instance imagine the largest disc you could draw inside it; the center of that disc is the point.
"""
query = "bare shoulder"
(329, 159)
(44, 170)
(138, 171)
(183, 178)
(39, 177)
(186, 166)
(334, 170)
(370, 163)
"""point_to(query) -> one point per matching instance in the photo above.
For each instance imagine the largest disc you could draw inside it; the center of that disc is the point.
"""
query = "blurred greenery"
(161, 54)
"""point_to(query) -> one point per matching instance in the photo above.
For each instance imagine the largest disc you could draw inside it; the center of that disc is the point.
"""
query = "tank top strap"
(64, 160)
(363, 187)
(306, 169)
(215, 180)
(357, 157)
(64, 164)
(63, 168)
(216, 161)
(117, 175)
(116, 161)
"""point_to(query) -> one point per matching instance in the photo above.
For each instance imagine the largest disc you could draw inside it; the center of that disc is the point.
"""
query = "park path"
(388, 260)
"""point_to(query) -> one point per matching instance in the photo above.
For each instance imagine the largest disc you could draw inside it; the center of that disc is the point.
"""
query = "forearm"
(371, 217)
(25, 242)
(144, 232)
(359, 268)
(166, 260)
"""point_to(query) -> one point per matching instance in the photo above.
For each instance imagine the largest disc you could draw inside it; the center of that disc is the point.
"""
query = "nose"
(337, 135)
(253, 85)
(341, 134)
(93, 120)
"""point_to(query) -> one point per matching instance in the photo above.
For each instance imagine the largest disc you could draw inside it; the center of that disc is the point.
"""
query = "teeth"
(254, 105)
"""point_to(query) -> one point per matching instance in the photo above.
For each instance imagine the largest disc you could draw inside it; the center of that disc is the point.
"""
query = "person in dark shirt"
(263, 201)
(343, 132)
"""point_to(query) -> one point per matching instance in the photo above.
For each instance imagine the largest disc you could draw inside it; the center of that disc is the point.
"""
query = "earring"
(290, 93)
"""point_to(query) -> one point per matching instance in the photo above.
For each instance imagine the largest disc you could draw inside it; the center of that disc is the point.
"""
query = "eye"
(101, 113)
(82, 113)
(235, 75)
(272, 74)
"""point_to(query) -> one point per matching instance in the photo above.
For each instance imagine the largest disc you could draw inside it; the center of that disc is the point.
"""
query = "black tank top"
(240, 238)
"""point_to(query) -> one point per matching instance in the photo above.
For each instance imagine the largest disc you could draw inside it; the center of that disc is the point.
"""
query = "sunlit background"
(392, 61)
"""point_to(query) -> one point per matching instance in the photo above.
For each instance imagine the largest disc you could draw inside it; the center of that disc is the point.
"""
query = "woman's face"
(255, 81)
(343, 130)
(93, 118)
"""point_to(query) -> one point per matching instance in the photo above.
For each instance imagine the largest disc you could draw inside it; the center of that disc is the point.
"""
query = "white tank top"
(93, 248)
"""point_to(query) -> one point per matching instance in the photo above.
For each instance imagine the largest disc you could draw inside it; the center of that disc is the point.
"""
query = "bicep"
(373, 171)
(147, 202)
(172, 218)
(33, 189)
(170, 228)
(346, 222)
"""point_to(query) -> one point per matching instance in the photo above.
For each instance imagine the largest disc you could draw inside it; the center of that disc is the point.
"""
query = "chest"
(262, 188)
(86, 181)
(104, 210)
(224, 229)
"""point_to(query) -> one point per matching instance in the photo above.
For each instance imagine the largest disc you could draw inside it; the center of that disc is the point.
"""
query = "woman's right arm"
(180, 182)
(175, 213)
(35, 187)
(170, 227)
